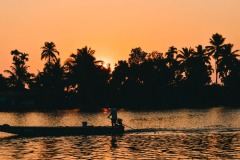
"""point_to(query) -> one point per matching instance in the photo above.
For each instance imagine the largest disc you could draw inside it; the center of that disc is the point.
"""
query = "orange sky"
(112, 27)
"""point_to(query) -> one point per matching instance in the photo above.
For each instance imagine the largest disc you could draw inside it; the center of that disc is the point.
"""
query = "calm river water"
(179, 134)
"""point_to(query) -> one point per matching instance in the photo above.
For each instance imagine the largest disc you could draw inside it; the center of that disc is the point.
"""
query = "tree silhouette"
(228, 62)
(52, 72)
(155, 70)
(135, 61)
(202, 54)
(79, 66)
(120, 74)
(85, 76)
(215, 50)
(19, 76)
(202, 66)
(137, 56)
(170, 55)
(51, 78)
(184, 58)
(49, 52)
(50, 81)
(49, 85)
(195, 65)
(176, 78)
(174, 73)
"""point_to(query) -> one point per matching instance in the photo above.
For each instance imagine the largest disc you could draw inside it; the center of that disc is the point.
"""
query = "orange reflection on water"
(121, 109)
(75, 110)
(105, 110)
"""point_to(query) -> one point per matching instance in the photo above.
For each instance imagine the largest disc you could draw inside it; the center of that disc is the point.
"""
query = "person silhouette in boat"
(113, 115)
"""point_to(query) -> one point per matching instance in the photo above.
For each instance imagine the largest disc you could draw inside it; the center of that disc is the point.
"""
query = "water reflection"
(167, 119)
(163, 146)
(114, 142)
(200, 134)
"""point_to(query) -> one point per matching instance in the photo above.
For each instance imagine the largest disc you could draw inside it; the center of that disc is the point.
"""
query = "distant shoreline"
(99, 109)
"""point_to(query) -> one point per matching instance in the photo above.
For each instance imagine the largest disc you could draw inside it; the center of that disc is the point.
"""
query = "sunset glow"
(112, 28)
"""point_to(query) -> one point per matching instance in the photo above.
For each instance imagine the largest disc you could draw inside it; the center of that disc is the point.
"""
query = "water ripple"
(162, 146)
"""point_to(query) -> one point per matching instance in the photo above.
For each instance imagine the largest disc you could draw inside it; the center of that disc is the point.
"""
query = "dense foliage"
(177, 78)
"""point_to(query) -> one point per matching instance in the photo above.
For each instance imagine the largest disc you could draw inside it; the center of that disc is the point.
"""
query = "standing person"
(113, 114)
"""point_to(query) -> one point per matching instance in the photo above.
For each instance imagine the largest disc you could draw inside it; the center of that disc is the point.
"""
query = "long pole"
(125, 125)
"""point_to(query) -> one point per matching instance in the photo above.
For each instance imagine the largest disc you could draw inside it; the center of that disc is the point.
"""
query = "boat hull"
(61, 131)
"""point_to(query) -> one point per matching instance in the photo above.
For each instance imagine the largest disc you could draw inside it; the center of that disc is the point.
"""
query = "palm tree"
(19, 75)
(215, 49)
(228, 62)
(49, 51)
(202, 54)
(170, 55)
(85, 77)
(203, 64)
(82, 60)
(173, 66)
(52, 74)
(80, 66)
(184, 57)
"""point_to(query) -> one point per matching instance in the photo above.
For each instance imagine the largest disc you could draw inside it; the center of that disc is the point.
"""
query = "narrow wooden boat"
(61, 131)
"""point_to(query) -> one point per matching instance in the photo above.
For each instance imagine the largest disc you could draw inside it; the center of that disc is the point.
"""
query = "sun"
(105, 65)
(106, 62)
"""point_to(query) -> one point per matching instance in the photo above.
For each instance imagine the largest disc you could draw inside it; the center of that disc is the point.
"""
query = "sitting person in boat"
(113, 115)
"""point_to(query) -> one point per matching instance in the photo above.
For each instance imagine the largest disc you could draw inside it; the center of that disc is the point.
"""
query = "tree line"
(176, 78)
